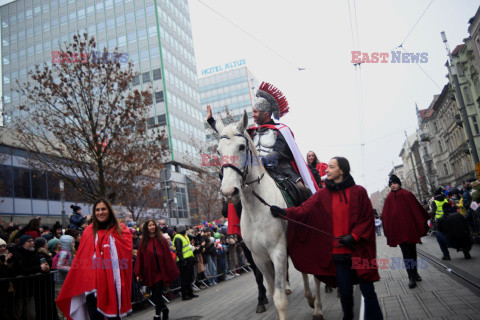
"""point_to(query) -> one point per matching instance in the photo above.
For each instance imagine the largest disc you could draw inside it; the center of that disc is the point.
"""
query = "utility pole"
(453, 70)
(414, 169)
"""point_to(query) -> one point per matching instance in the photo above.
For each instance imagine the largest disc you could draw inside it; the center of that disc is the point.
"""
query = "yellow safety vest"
(439, 211)
(186, 249)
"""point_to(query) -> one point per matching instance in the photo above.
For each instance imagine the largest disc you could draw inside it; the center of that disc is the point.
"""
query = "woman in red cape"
(320, 166)
(154, 266)
(343, 210)
(99, 283)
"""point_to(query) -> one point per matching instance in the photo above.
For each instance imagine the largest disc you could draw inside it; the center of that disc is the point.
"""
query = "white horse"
(264, 235)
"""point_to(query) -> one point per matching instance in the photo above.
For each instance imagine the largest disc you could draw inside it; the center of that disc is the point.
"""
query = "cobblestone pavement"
(438, 296)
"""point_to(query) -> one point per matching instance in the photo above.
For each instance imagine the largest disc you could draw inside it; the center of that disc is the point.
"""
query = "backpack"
(57, 257)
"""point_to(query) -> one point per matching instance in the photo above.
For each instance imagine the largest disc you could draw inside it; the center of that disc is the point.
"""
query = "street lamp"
(62, 197)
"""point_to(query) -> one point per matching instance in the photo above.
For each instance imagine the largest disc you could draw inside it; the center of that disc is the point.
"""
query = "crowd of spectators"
(35, 260)
(455, 214)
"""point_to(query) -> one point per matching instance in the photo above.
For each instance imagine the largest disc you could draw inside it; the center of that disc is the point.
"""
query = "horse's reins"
(298, 222)
(244, 174)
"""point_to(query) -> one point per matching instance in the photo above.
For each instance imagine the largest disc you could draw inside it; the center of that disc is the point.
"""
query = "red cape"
(88, 274)
(311, 251)
(233, 221)
(146, 267)
(404, 218)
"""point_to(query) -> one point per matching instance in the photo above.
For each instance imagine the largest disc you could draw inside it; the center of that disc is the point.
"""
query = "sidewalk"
(438, 296)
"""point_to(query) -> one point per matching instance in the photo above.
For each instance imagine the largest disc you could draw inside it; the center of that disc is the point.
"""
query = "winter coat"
(404, 218)
(312, 252)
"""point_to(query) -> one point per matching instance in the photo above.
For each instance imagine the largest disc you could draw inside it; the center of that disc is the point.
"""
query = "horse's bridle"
(249, 157)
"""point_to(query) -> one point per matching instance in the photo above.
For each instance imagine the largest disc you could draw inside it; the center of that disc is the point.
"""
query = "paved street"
(438, 296)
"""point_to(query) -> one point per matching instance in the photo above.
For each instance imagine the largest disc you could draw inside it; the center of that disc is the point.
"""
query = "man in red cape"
(109, 274)
(404, 223)
(342, 210)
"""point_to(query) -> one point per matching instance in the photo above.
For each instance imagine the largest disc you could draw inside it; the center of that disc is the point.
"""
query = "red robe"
(113, 256)
(311, 251)
(404, 219)
(147, 268)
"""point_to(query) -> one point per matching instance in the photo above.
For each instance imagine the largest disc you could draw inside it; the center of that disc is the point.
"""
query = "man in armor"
(274, 142)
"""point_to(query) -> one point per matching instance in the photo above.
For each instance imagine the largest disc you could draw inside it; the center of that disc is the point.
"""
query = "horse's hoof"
(288, 291)
(261, 308)
(318, 317)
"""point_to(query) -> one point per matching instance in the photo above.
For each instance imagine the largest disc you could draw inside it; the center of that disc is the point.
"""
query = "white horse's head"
(238, 156)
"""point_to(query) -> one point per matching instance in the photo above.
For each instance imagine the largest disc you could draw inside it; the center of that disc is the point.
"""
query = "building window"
(21, 182)
(146, 77)
(440, 146)
(157, 74)
(467, 95)
(6, 182)
(475, 124)
(445, 169)
(162, 120)
(159, 96)
(39, 185)
(136, 80)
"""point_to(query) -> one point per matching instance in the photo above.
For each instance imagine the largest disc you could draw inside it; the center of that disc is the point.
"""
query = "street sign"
(477, 170)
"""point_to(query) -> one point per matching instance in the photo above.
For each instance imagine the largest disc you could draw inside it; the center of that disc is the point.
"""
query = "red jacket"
(147, 268)
(312, 251)
(404, 219)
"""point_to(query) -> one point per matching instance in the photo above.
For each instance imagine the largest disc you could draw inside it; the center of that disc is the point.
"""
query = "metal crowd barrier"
(29, 297)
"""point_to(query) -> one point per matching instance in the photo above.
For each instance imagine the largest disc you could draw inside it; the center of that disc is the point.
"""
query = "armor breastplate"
(264, 141)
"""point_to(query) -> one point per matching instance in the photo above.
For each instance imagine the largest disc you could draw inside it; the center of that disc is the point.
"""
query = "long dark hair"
(33, 224)
(146, 234)
(112, 218)
(315, 159)
(344, 165)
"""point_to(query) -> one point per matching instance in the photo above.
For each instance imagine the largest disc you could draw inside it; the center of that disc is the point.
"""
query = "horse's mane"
(231, 130)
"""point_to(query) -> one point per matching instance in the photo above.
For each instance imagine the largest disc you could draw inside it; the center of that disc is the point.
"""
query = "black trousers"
(409, 251)
(262, 292)
(93, 313)
(157, 291)
(186, 277)
(345, 279)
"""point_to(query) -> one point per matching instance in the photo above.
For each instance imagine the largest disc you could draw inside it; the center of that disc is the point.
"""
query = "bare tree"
(88, 127)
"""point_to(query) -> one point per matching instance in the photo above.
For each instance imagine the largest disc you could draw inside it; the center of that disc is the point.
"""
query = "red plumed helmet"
(278, 102)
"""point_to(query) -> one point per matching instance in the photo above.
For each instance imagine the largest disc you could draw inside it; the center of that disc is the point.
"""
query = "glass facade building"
(233, 90)
(155, 34)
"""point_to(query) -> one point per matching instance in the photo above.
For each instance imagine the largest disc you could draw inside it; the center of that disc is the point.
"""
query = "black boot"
(165, 312)
(411, 283)
(417, 277)
(157, 317)
(467, 255)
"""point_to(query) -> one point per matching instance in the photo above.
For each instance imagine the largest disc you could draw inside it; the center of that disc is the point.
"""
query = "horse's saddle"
(293, 193)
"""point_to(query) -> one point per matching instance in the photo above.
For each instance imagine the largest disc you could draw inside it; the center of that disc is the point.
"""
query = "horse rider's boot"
(157, 317)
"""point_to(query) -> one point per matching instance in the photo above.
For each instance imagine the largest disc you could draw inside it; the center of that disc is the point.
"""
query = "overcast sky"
(324, 109)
